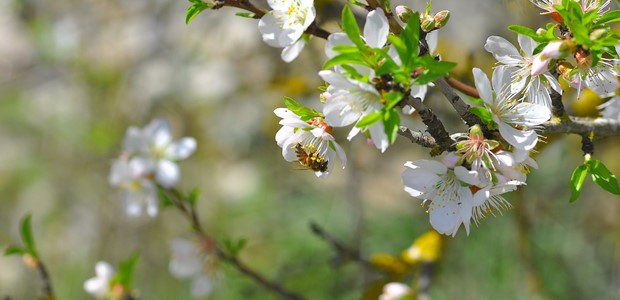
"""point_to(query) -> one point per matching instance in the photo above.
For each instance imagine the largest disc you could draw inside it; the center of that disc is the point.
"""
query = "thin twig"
(46, 281)
(463, 87)
(343, 251)
(190, 213)
(434, 125)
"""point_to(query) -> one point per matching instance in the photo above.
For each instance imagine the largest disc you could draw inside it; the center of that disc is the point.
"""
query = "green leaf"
(234, 247)
(434, 70)
(14, 250)
(305, 113)
(391, 123)
(576, 182)
(246, 15)
(193, 196)
(369, 119)
(392, 98)
(350, 27)
(609, 17)
(476, 101)
(539, 48)
(603, 177)
(411, 38)
(346, 49)
(482, 113)
(354, 58)
(196, 9)
(26, 232)
(525, 31)
(125, 270)
(163, 197)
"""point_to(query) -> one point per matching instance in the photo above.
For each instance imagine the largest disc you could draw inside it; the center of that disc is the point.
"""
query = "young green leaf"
(193, 196)
(392, 98)
(352, 58)
(14, 250)
(126, 268)
(391, 123)
(603, 177)
(305, 113)
(609, 17)
(411, 38)
(164, 199)
(482, 113)
(196, 9)
(369, 119)
(525, 31)
(26, 232)
(350, 27)
(576, 182)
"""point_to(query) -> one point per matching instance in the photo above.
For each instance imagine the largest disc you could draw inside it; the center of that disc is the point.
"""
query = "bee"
(309, 158)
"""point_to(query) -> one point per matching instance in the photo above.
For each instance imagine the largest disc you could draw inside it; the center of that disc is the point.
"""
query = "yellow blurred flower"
(426, 248)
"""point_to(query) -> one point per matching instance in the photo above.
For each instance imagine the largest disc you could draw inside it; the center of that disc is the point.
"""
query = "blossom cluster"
(148, 159)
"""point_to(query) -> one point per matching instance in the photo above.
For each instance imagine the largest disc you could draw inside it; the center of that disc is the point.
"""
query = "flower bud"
(427, 22)
(541, 31)
(404, 13)
(539, 65)
(441, 18)
(30, 261)
(597, 33)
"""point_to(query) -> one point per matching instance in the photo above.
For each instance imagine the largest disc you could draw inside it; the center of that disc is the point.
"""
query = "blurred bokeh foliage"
(75, 74)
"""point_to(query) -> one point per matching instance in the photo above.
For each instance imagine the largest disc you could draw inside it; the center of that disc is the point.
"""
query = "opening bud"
(441, 18)
(427, 22)
(404, 13)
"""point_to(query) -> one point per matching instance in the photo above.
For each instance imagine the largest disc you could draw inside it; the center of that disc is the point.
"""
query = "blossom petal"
(159, 131)
(201, 286)
(181, 149)
(168, 173)
(445, 216)
(335, 39)
(504, 51)
(291, 52)
(483, 85)
(527, 44)
(522, 139)
(376, 29)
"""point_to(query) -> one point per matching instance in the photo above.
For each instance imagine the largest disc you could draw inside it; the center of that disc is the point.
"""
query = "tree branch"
(433, 124)
(190, 213)
(343, 252)
(420, 138)
(599, 127)
(459, 105)
(464, 88)
(46, 281)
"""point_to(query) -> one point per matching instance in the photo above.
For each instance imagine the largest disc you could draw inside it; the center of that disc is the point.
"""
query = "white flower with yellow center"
(135, 179)
(509, 113)
(447, 190)
(309, 143)
(284, 26)
(535, 86)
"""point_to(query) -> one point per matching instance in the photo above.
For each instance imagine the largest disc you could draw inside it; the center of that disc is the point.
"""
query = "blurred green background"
(75, 74)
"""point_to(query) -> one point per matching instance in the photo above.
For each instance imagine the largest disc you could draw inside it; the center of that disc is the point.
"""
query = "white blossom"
(447, 190)
(508, 112)
(284, 25)
(154, 142)
(134, 177)
(395, 291)
(187, 262)
(350, 100)
(535, 84)
(99, 286)
(309, 143)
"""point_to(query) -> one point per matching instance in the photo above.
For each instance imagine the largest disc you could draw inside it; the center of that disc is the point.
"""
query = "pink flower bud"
(404, 13)
(539, 65)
